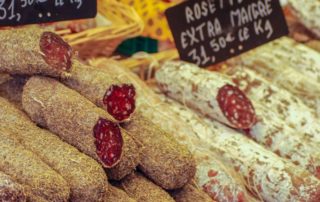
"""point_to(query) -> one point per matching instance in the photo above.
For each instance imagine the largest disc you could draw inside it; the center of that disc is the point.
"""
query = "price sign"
(210, 31)
(22, 12)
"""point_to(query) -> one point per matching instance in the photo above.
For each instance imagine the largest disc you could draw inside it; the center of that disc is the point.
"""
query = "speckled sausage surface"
(211, 94)
(79, 122)
(84, 175)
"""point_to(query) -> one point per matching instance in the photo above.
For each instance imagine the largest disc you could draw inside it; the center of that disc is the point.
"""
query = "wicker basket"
(102, 41)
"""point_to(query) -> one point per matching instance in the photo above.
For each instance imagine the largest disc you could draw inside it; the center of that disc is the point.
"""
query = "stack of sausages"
(220, 102)
(71, 132)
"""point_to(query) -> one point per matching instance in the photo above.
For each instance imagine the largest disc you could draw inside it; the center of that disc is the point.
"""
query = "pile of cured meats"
(72, 131)
(250, 123)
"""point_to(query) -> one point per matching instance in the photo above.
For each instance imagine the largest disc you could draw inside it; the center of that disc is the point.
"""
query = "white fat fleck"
(128, 106)
(230, 92)
(115, 109)
(101, 135)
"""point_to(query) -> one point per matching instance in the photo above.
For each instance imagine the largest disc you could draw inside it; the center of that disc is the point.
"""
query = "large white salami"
(211, 94)
(289, 65)
(278, 110)
(268, 176)
(285, 105)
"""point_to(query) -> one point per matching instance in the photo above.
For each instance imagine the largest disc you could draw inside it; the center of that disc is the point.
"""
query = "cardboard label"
(22, 12)
(207, 32)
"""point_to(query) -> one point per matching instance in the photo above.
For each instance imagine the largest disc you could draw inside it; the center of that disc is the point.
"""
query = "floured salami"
(270, 177)
(289, 65)
(211, 94)
(279, 101)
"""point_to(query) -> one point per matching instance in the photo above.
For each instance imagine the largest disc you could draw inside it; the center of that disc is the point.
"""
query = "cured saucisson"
(32, 51)
(268, 176)
(80, 123)
(101, 88)
(211, 94)
(280, 109)
(85, 176)
(169, 164)
(287, 106)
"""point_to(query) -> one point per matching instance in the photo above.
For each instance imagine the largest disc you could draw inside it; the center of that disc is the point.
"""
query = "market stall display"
(226, 185)
(76, 127)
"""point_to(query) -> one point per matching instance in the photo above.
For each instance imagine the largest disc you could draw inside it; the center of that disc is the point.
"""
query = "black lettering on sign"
(22, 12)
(210, 31)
